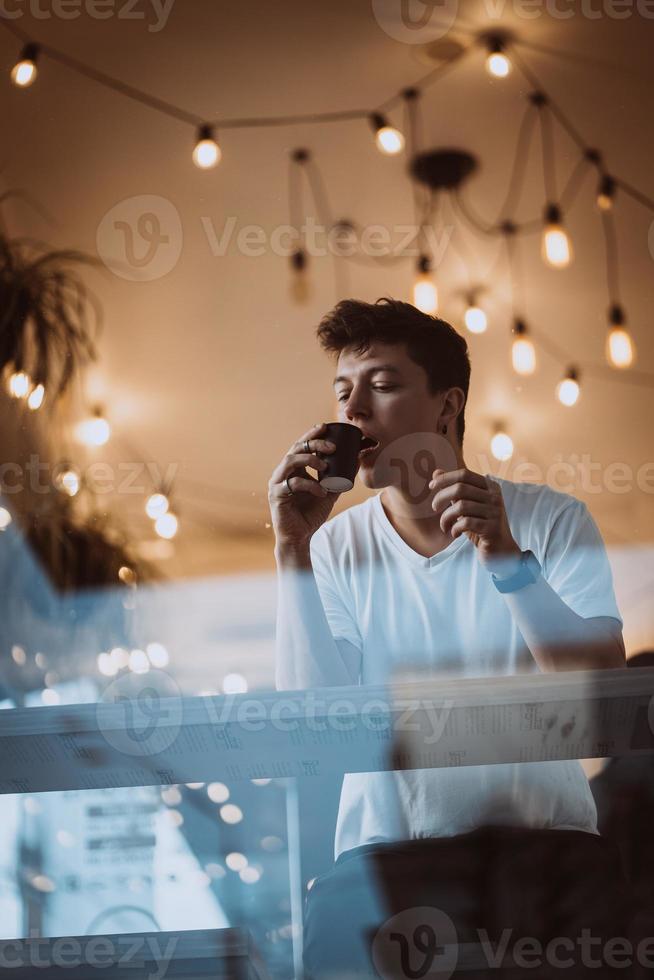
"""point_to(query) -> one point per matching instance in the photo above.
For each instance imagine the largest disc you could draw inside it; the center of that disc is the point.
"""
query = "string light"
(425, 291)
(389, 140)
(157, 654)
(206, 154)
(231, 813)
(501, 444)
(19, 384)
(606, 193)
(94, 431)
(620, 351)
(497, 63)
(166, 525)
(156, 505)
(5, 518)
(24, 72)
(556, 247)
(236, 861)
(523, 352)
(568, 390)
(35, 397)
(300, 290)
(68, 481)
(475, 318)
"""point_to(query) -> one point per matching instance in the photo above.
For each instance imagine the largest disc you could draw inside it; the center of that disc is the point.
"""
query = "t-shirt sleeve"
(576, 564)
(335, 599)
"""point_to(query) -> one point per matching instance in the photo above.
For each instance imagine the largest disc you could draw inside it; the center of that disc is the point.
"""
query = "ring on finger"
(288, 487)
(307, 447)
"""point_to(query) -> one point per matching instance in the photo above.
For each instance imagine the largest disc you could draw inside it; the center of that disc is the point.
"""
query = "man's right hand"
(297, 516)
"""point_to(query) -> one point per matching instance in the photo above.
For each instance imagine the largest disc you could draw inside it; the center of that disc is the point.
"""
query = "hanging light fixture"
(299, 278)
(523, 352)
(606, 193)
(474, 317)
(425, 291)
(156, 505)
(24, 72)
(620, 351)
(68, 481)
(207, 153)
(497, 63)
(556, 247)
(389, 140)
(568, 390)
(166, 525)
(94, 431)
(19, 384)
(35, 397)
(501, 444)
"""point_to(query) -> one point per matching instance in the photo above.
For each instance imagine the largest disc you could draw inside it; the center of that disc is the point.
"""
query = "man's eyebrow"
(372, 370)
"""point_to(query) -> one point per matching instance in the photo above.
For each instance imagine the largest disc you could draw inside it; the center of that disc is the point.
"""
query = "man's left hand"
(472, 504)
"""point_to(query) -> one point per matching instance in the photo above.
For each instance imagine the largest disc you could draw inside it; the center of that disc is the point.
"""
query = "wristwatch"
(528, 571)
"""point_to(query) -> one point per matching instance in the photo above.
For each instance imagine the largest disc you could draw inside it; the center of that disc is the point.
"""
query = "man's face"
(386, 394)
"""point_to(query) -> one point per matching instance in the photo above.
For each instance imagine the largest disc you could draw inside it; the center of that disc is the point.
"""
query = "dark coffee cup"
(343, 463)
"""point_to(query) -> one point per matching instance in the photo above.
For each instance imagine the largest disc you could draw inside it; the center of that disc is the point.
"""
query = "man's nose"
(356, 406)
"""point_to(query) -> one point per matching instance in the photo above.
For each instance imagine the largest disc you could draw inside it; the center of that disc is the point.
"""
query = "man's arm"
(306, 653)
(557, 637)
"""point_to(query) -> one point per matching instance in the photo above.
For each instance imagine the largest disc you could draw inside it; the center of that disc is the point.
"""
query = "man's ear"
(453, 403)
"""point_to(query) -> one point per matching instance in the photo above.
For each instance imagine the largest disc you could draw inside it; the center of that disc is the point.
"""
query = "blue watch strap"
(527, 573)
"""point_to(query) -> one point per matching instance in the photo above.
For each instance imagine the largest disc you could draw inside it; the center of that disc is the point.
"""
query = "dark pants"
(452, 900)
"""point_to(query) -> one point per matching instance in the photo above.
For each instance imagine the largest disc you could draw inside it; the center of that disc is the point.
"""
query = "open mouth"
(368, 446)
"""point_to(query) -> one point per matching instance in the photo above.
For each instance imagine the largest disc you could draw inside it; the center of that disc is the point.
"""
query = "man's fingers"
(459, 491)
(463, 509)
(463, 476)
(298, 484)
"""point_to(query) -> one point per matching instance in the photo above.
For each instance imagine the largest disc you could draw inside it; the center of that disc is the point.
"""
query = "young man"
(443, 568)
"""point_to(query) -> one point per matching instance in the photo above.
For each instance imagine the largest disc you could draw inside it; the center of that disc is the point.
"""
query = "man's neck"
(420, 530)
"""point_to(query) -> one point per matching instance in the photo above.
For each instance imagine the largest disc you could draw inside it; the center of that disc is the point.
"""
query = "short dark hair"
(431, 343)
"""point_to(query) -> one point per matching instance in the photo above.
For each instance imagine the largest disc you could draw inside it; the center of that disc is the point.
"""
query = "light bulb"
(19, 384)
(606, 193)
(156, 505)
(556, 247)
(425, 291)
(94, 431)
(166, 525)
(24, 71)
(5, 518)
(68, 482)
(620, 351)
(619, 348)
(523, 352)
(475, 319)
(568, 390)
(389, 140)
(497, 63)
(207, 153)
(35, 398)
(502, 445)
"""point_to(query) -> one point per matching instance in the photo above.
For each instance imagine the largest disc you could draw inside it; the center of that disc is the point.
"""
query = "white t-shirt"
(397, 609)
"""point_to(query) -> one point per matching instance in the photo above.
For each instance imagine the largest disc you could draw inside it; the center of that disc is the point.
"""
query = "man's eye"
(384, 387)
(342, 398)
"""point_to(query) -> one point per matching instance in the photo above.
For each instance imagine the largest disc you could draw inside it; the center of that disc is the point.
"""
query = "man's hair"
(431, 343)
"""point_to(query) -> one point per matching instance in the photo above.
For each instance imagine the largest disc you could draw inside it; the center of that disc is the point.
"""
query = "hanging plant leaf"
(48, 317)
